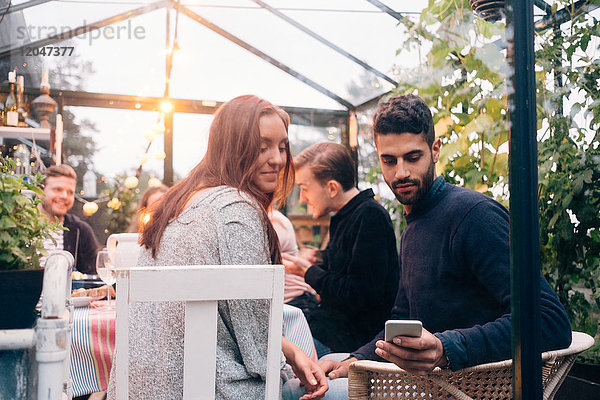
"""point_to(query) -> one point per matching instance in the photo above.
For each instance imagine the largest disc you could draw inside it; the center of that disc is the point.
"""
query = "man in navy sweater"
(454, 259)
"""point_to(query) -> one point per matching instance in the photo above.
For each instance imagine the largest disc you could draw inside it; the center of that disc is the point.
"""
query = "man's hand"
(417, 355)
(311, 254)
(336, 369)
(295, 265)
(309, 373)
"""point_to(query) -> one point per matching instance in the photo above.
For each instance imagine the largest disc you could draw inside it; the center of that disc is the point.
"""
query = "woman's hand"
(295, 265)
(311, 376)
(336, 369)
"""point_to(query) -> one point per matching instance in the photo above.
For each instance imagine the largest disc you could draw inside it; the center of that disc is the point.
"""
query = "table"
(92, 347)
(93, 343)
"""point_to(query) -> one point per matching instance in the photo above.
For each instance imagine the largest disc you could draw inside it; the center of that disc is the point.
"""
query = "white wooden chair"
(377, 380)
(200, 287)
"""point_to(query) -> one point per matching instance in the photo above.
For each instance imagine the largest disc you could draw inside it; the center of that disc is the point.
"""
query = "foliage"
(121, 204)
(569, 166)
(464, 82)
(22, 227)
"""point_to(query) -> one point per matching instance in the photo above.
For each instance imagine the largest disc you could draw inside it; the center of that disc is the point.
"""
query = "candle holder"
(44, 105)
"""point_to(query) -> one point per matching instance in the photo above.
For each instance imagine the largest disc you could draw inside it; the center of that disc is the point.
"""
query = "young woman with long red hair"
(217, 215)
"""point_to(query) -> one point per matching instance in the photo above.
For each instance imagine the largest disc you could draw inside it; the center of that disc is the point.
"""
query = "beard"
(423, 184)
(52, 211)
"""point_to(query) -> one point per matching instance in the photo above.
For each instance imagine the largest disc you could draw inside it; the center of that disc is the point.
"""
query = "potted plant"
(22, 232)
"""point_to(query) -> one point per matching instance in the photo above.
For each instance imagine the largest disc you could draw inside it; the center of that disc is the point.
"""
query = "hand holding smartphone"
(402, 327)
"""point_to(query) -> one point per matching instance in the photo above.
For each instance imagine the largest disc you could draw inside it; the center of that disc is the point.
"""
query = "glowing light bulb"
(166, 106)
(114, 203)
(131, 182)
(144, 218)
(154, 182)
(90, 208)
(159, 128)
(150, 135)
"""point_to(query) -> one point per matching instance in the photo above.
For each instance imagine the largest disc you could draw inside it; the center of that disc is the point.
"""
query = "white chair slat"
(200, 356)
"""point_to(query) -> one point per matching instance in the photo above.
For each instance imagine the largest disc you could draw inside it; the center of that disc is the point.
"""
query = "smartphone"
(402, 327)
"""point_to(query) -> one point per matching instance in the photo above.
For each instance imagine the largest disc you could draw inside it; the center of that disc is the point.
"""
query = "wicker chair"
(377, 380)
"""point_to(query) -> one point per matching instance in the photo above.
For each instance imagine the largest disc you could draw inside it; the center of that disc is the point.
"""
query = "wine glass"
(106, 269)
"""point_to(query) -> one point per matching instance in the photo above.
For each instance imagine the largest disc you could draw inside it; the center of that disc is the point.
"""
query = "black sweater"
(81, 242)
(455, 278)
(358, 278)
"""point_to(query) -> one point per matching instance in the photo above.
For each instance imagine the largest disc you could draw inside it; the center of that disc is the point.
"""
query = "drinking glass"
(106, 269)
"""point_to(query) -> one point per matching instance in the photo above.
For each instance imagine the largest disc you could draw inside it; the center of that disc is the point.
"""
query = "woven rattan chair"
(377, 380)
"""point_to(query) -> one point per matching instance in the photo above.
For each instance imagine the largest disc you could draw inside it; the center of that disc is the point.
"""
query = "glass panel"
(210, 67)
(288, 45)
(121, 138)
(119, 54)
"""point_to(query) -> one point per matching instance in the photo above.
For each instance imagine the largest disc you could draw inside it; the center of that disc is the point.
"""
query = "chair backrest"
(371, 379)
(200, 287)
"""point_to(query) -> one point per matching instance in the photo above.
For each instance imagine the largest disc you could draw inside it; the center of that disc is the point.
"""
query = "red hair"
(230, 160)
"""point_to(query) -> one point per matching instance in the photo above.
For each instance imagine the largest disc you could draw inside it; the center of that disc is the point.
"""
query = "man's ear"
(333, 188)
(435, 149)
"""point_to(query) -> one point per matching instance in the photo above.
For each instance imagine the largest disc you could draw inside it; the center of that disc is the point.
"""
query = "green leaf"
(7, 222)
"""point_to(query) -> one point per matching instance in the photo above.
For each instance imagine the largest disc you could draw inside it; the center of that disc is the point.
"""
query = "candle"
(12, 76)
(353, 131)
(45, 74)
(59, 138)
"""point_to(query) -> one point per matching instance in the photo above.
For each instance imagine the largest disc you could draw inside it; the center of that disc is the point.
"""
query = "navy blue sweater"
(455, 278)
(358, 278)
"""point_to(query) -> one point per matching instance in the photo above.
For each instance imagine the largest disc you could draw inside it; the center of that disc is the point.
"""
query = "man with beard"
(454, 259)
(59, 197)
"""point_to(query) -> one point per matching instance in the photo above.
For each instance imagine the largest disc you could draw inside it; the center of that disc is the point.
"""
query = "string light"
(154, 182)
(166, 106)
(144, 218)
(131, 182)
(114, 203)
(150, 135)
(90, 208)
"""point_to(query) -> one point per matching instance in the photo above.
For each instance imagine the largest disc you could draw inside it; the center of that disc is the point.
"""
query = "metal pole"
(524, 224)
(168, 116)
(350, 138)
(168, 174)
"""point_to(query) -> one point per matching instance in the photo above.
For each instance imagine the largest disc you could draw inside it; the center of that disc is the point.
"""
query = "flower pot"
(587, 371)
(583, 382)
(19, 293)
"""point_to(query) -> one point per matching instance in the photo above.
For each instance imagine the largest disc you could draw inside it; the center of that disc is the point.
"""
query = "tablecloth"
(93, 343)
